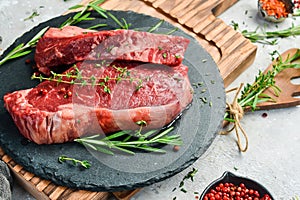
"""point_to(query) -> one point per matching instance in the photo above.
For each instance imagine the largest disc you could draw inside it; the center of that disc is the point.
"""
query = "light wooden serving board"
(230, 50)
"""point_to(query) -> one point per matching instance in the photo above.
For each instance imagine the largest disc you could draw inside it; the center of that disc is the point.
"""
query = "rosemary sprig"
(252, 94)
(83, 163)
(264, 36)
(131, 141)
(83, 15)
(23, 49)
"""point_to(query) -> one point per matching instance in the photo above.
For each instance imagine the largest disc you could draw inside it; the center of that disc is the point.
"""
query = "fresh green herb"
(171, 31)
(141, 123)
(75, 77)
(164, 55)
(295, 198)
(190, 175)
(145, 142)
(177, 56)
(23, 49)
(204, 100)
(155, 27)
(183, 190)
(97, 26)
(252, 94)
(265, 36)
(123, 25)
(34, 14)
(83, 15)
(83, 163)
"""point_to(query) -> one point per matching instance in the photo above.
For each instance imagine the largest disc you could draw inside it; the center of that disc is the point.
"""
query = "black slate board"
(198, 125)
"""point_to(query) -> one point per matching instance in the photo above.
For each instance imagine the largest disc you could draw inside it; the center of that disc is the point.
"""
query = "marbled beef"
(73, 44)
(102, 98)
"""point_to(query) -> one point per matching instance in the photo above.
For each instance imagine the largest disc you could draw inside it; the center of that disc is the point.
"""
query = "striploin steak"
(73, 44)
(100, 97)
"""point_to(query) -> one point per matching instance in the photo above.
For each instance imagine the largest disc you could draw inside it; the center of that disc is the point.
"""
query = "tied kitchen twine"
(236, 112)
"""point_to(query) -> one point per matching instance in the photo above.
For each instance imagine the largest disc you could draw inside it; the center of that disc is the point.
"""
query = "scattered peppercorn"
(69, 93)
(227, 191)
(43, 91)
(27, 61)
(264, 115)
(176, 148)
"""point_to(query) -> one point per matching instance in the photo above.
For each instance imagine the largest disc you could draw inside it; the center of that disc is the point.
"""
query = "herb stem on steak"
(23, 49)
(144, 142)
(75, 78)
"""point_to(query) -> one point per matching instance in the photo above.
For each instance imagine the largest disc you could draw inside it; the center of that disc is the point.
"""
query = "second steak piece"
(100, 98)
(73, 44)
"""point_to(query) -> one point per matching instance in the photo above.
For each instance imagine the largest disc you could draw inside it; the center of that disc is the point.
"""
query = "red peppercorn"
(229, 191)
(27, 61)
(43, 91)
(69, 93)
(176, 148)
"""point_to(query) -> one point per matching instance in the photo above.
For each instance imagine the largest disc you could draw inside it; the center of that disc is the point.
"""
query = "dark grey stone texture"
(198, 125)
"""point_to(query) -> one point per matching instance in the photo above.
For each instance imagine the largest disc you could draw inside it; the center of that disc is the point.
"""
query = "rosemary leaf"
(115, 141)
(23, 49)
(76, 7)
(115, 19)
(156, 26)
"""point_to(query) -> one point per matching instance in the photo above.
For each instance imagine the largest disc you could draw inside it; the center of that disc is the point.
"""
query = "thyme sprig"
(144, 141)
(75, 77)
(23, 49)
(265, 36)
(83, 163)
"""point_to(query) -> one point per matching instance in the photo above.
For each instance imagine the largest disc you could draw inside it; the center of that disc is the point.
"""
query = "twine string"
(236, 112)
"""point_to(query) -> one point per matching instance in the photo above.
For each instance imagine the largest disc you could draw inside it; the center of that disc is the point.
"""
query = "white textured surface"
(273, 158)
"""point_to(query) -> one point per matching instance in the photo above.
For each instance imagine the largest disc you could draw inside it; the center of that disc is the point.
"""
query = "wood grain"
(283, 80)
(229, 49)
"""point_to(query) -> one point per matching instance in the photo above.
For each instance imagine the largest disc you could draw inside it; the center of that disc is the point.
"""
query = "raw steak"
(73, 44)
(102, 98)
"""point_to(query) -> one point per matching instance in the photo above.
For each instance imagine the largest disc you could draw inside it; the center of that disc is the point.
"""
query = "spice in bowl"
(275, 10)
(230, 186)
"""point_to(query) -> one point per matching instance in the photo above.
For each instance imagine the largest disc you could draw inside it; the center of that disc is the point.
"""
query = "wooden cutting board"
(230, 50)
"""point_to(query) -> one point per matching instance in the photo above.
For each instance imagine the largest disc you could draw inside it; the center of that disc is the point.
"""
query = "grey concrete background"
(273, 157)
